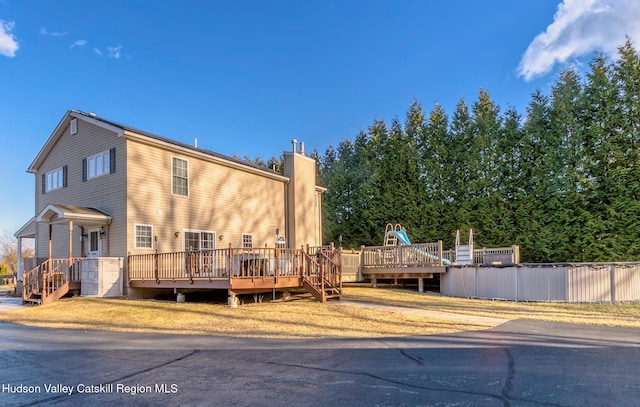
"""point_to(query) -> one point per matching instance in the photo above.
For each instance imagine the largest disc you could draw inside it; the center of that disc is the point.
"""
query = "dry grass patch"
(303, 317)
(622, 315)
(299, 318)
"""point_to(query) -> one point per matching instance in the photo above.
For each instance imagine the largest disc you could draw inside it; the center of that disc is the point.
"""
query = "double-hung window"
(143, 236)
(180, 177)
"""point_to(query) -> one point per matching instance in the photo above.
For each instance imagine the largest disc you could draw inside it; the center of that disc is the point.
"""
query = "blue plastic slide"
(404, 239)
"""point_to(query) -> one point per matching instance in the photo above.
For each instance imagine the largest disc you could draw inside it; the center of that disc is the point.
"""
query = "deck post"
(232, 301)
(421, 285)
(276, 268)
(230, 264)
(374, 282)
(361, 265)
(156, 266)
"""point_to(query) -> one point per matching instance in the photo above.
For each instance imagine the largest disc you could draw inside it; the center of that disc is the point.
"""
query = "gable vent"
(74, 126)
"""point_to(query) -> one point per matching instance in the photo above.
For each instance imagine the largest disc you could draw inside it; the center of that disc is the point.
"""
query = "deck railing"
(323, 268)
(402, 255)
(216, 264)
(492, 255)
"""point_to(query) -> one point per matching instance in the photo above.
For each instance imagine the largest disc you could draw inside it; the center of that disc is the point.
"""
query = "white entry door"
(94, 243)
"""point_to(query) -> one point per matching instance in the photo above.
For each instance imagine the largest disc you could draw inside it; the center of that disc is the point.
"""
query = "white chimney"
(294, 142)
(302, 147)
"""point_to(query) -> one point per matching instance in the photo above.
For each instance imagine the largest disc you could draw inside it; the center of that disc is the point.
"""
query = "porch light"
(220, 237)
(177, 233)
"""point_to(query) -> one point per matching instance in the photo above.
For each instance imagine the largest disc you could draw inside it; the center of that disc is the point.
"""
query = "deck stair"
(323, 275)
(34, 299)
(46, 283)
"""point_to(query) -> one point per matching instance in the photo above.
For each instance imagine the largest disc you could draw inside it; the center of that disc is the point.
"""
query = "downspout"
(82, 231)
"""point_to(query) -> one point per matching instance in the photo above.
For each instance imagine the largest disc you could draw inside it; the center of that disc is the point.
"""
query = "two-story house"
(106, 193)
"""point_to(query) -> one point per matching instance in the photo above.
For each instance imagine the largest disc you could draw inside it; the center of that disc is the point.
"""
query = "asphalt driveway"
(519, 363)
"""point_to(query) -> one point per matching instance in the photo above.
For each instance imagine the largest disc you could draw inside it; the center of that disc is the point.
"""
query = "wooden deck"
(423, 261)
(417, 261)
(240, 270)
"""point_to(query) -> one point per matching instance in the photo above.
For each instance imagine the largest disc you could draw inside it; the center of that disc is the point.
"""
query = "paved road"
(519, 363)
(9, 303)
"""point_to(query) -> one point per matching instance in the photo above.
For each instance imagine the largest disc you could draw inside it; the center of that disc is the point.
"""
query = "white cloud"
(97, 51)
(114, 52)
(580, 27)
(44, 31)
(79, 43)
(8, 42)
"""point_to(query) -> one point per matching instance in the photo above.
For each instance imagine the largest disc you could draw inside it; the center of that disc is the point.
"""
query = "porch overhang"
(79, 215)
(28, 230)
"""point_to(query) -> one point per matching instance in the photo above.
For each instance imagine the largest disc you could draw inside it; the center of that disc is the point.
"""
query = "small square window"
(247, 241)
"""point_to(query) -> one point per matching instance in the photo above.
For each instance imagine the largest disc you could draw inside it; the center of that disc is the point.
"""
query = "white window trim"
(105, 156)
(135, 236)
(98, 252)
(184, 231)
(58, 173)
(172, 175)
(73, 126)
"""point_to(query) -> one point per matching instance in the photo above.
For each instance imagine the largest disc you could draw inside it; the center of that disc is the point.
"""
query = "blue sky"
(245, 77)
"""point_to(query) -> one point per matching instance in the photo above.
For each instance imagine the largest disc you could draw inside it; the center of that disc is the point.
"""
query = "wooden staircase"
(48, 282)
(322, 276)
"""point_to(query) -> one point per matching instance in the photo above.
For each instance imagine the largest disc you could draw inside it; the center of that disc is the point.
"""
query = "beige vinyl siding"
(228, 201)
(107, 192)
(304, 217)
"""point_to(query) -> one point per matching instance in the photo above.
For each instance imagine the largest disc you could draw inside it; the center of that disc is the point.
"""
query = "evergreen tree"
(570, 214)
(564, 183)
(434, 154)
(508, 170)
(460, 167)
(484, 179)
(598, 241)
(625, 185)
(537, 183)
